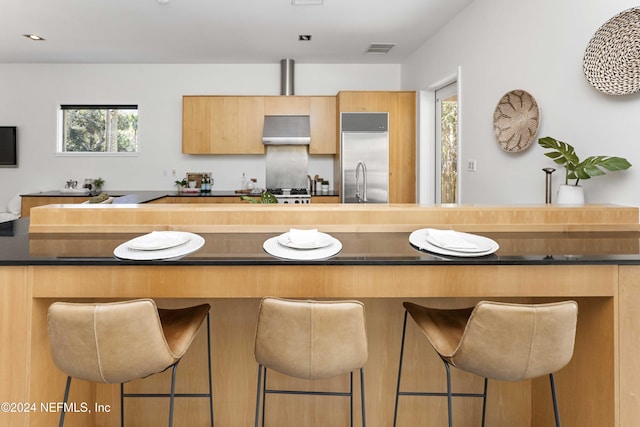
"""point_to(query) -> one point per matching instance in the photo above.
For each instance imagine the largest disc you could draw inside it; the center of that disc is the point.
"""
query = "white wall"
(502, 45)
(31, 93)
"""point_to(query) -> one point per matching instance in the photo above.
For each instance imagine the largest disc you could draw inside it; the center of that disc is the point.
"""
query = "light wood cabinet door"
(401, 107)
(402, 147)
(286, 105)
(325, 199)
(324, 135)
(222, 124)
(354, 102)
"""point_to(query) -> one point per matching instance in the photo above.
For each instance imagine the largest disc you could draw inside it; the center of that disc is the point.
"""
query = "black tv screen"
(8, 147)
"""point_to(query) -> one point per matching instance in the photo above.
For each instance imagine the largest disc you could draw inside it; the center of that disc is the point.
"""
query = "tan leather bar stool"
(310, 340)
(501, 341)
(123, 341)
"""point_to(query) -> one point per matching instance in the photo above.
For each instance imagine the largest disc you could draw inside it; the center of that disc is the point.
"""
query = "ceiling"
(217, 31)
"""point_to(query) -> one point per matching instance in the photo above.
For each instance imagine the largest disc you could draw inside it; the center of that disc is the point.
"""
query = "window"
(98, 129)
(447, 144)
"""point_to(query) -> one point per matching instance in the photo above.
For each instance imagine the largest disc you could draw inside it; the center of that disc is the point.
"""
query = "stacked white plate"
(303, 245)
(450, 242)
(160, 245)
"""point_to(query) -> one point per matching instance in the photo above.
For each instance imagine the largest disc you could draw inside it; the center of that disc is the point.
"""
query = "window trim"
(98, 106)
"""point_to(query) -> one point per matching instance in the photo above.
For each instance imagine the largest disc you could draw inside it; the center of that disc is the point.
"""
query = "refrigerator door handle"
(361, 198)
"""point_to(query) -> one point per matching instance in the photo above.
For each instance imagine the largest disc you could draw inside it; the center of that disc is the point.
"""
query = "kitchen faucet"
(361, 198)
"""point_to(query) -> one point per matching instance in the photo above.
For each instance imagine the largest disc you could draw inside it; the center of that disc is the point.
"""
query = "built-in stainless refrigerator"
(364, 157)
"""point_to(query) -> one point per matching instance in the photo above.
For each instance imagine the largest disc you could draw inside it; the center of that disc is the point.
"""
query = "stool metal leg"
(351, 399)
(484, 401)
(555, 400)
(404, 330)
(449, 394)
(209, 367)
(66, 398)
(264, 393)
(364, 417)
(121, 404)
(258, 396)
(173, 393)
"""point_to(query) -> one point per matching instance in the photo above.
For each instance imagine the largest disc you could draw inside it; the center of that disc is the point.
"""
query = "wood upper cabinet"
(233, 124)
(401, 107)
(222, 124)
(286, 105)
(353, 102)
(322, 114)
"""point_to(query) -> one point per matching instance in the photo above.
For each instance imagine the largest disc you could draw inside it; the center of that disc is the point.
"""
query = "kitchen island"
(590, 254)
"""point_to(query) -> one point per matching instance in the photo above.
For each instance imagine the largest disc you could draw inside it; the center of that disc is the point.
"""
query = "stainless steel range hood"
(286, 130)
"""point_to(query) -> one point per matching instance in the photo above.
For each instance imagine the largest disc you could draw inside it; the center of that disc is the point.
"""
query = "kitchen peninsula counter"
(18, 247)
(590, 254)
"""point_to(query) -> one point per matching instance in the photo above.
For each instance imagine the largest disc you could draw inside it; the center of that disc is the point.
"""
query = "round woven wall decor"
(516, 120)
(612, 58)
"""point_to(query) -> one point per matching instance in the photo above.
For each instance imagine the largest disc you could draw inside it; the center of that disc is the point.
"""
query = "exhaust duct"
(286, 76)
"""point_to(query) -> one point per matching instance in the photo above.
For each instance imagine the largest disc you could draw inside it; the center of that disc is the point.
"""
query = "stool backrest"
(311, 339)
(108, 342)
(513, 342)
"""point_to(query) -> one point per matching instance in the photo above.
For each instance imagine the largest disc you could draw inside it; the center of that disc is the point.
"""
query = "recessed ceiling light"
(306, 2)
(34, 37)
(304, 37)
(379, 48)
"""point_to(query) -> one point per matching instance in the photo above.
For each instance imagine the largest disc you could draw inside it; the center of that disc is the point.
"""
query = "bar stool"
(310, 340)
(501, 341)
(123, 341)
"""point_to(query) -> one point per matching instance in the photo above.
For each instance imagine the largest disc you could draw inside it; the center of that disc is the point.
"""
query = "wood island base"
(234, 295)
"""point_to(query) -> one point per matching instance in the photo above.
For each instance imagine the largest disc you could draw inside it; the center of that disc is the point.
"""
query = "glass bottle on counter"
(206, 184)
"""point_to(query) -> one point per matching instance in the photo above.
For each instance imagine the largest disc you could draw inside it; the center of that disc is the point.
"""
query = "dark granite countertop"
(135, 197)
(18, 247)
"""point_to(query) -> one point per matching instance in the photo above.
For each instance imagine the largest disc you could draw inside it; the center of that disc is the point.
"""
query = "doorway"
(446, 144)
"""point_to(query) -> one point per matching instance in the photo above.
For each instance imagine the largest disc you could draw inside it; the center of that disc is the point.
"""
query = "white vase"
(570, 195)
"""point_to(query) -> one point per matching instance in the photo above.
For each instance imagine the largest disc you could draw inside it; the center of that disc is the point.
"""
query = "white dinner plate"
(323, 239)
(419, 240)
(195, 242)
(157, 240)
(459, 242)
(274, 248)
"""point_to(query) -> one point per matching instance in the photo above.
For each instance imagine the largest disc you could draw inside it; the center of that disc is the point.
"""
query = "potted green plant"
(565, 155)
(97, 184)
(181, 183)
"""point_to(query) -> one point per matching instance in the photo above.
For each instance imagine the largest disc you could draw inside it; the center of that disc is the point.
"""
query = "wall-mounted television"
(8, 147)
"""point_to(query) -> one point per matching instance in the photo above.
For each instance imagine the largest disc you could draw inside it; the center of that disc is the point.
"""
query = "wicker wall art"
(612, 58)
(516, 120)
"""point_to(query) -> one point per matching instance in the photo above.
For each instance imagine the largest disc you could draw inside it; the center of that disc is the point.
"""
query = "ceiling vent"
(306, 2)
(379, 48)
